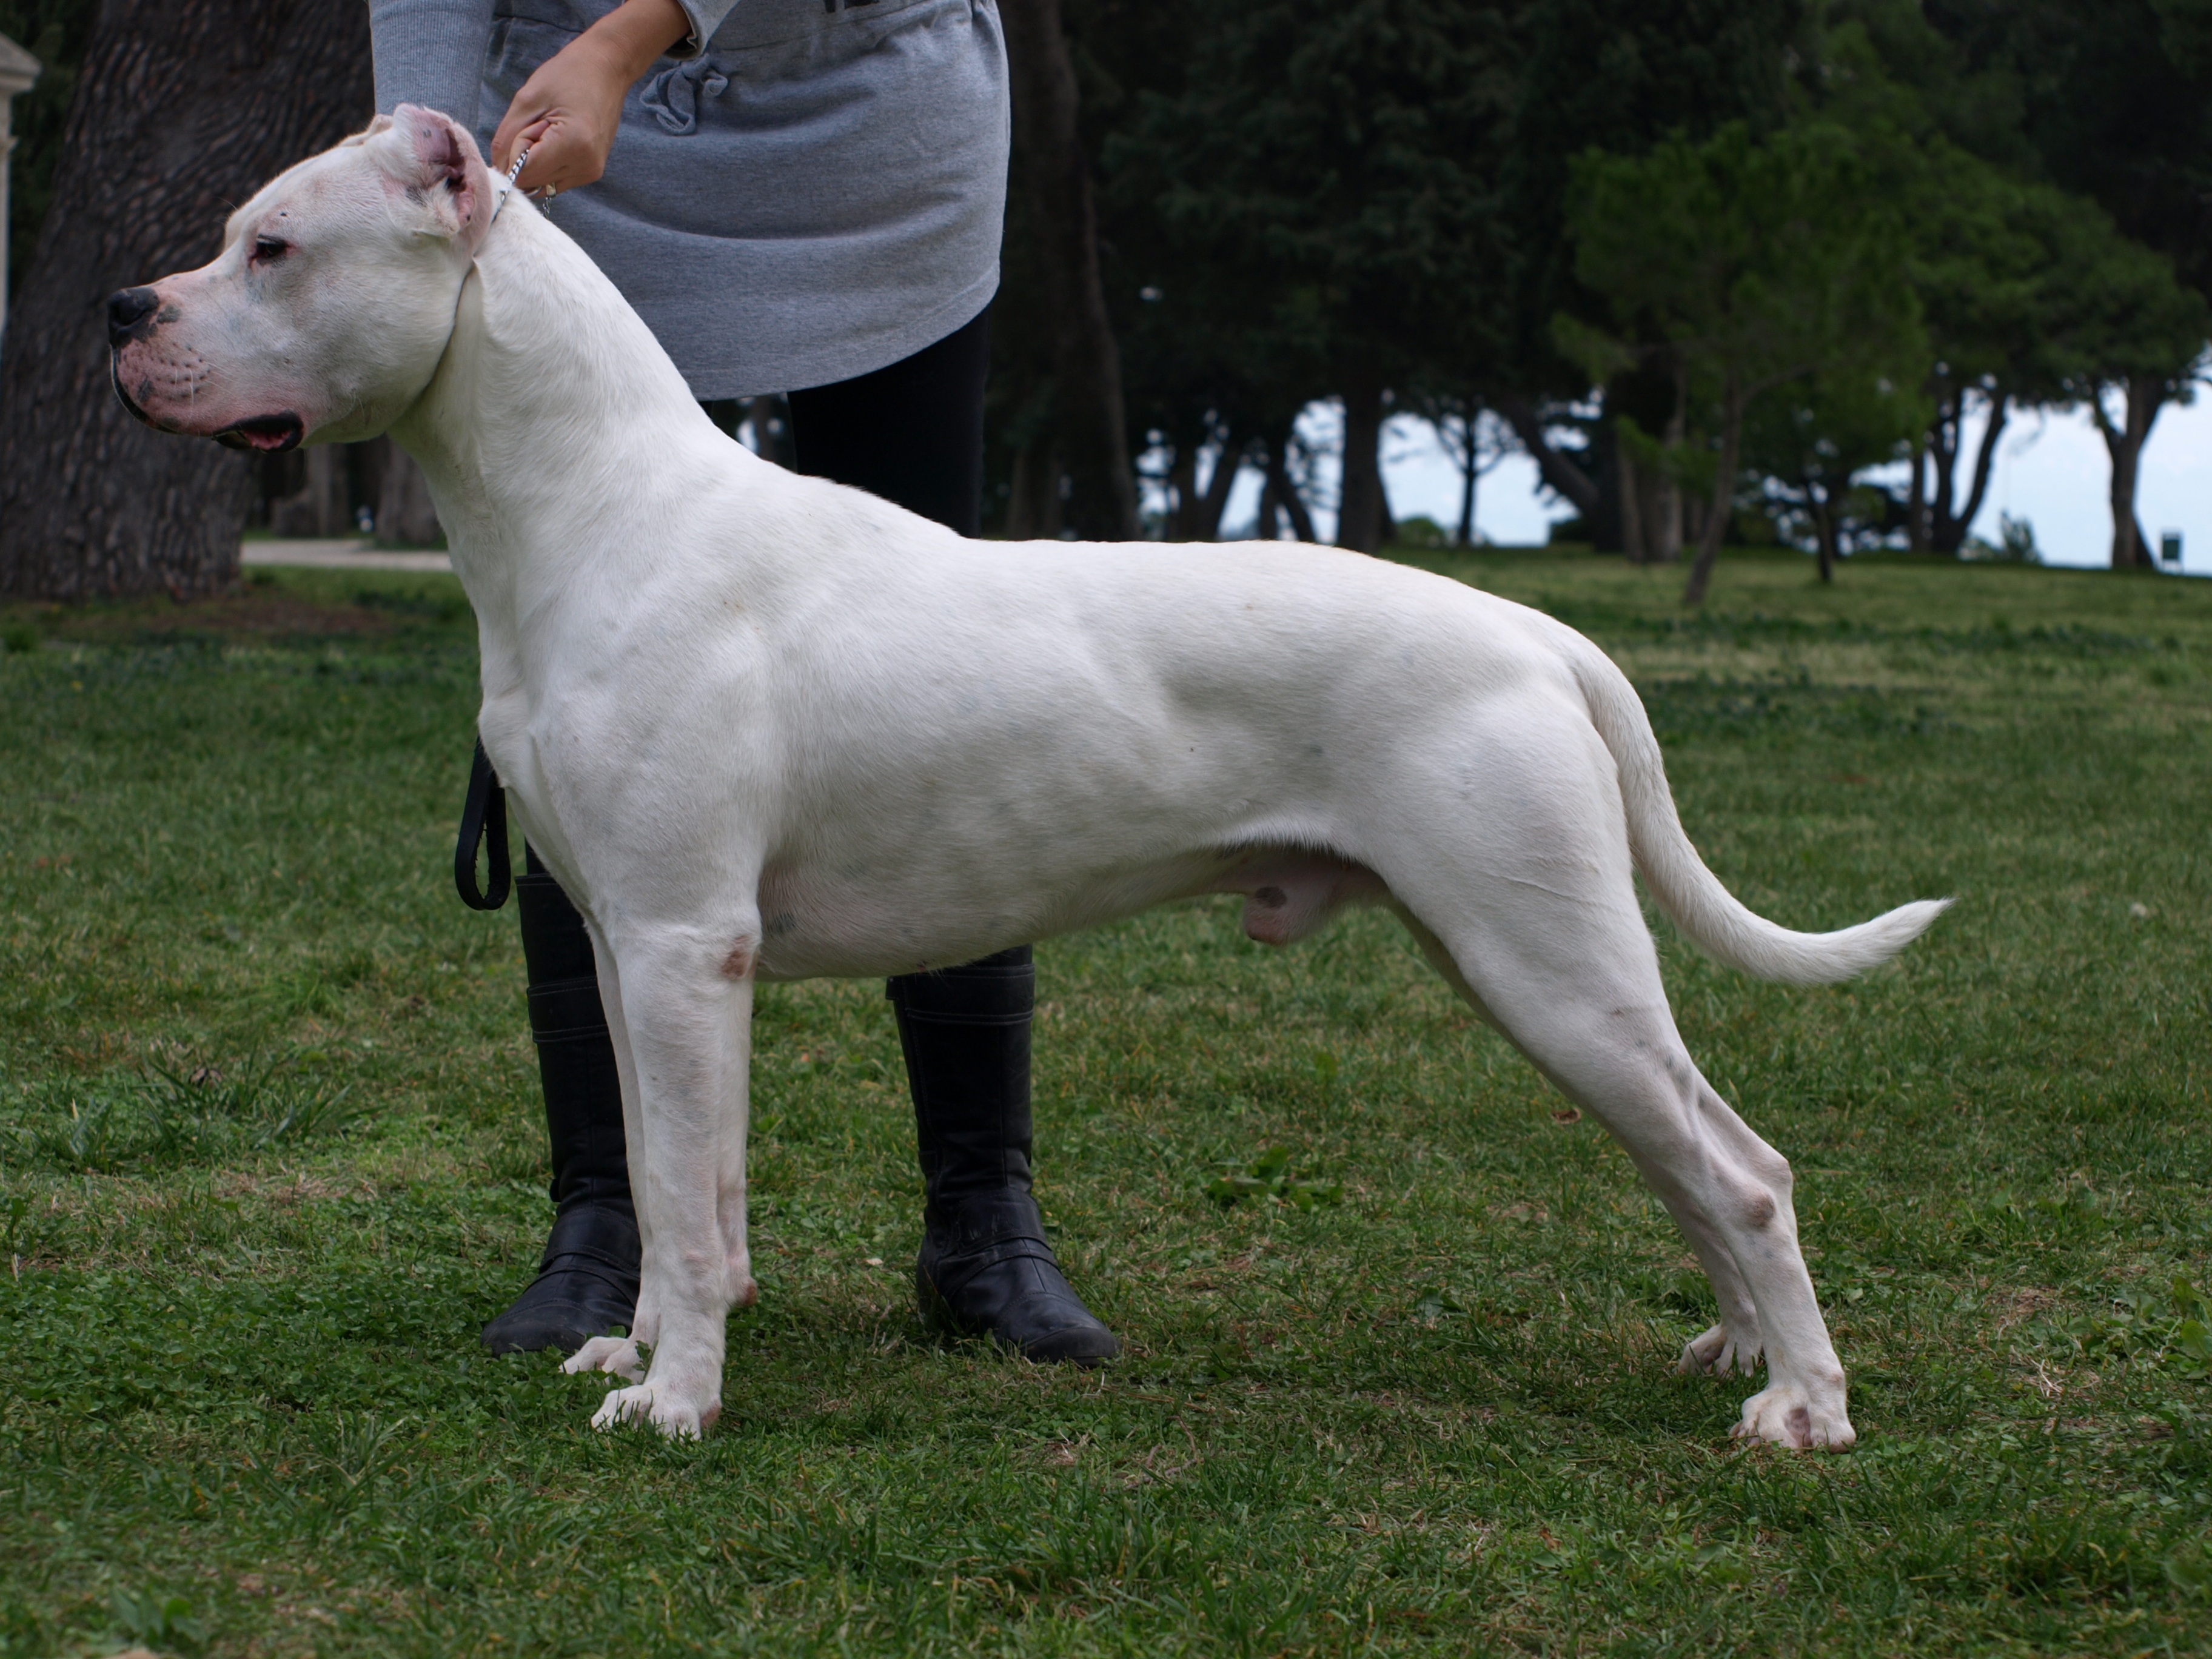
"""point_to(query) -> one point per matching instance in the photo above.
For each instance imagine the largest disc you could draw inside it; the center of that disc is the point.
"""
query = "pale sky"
(2051, 470)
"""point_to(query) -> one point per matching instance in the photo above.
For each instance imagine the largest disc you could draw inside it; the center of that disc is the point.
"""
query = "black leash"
(483, 815)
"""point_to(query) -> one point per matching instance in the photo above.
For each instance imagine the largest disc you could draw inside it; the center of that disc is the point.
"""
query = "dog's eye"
(267, 250)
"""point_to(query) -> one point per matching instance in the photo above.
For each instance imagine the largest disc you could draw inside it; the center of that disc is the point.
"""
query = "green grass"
(269, 1155)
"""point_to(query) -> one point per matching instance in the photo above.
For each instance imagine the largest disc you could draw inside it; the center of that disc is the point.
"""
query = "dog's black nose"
(127, 308)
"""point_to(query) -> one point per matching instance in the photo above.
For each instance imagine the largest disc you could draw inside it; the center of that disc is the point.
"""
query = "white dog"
(763, 727)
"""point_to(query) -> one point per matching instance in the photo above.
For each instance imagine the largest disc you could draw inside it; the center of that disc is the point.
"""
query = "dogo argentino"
(762, 727)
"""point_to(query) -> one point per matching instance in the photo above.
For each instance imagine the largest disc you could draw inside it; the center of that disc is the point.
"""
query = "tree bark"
(1559, 469)
(1663, 506)
(1916, 500)
(404, 512)
(1051, 171)
(1034, 503)
(1228, 462)
(1984, 464)
(1182, 493)
(2146, 396)
(1464, 537)
(318, 507)
(1943, 450)
(182, 110)
(1948, 528)
(1363, 515)
(1302, 523)
(1632, 487)
(1824, 522)
(1733, 402)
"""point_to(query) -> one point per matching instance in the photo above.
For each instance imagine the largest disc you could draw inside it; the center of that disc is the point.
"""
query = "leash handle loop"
(483, 817)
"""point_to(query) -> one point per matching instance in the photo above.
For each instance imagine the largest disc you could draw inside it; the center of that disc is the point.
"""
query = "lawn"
(269, 1155)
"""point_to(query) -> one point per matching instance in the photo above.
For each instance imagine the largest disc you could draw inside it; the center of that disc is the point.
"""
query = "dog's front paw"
(617, 1354)
(1720, 1351)
(1805, 1419)
(667, 1409)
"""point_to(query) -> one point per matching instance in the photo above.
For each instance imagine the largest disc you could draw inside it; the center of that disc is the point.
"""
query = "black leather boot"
(985, 1270)
(587, 1283)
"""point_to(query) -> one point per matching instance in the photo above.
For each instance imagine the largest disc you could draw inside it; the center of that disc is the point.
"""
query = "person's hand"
(570, 111)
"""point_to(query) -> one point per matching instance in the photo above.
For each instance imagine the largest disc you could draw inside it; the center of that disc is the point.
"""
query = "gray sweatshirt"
(813, 194)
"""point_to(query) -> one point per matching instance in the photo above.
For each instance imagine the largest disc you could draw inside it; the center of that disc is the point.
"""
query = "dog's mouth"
(269, 433)
(115, 380)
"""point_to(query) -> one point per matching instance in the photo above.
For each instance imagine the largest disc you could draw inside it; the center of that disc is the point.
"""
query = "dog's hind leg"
(1734, 1344)
(685, 1036)
(1533, 913)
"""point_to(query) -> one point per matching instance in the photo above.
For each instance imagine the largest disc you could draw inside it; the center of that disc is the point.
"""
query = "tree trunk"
(184, 108)
(1050, 169)
(1662, 507)
(1465, 535)
(318, 507)
(1362, 515)
(2146, 395)
(1985, 463)
(1294, 504)
(1228, 462)
(1631, 489)
(1945, 535)
(1559, 469)
(1182, 493)
(1916, 500)
(404, 512)
(1034, 501)
(1723, 497)
(1824, 524)
(1947, 526)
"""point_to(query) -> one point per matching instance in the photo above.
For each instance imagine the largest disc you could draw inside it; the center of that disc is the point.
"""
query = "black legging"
(911, 433)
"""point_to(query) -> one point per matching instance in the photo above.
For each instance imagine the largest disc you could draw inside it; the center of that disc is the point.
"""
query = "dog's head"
(326, 313)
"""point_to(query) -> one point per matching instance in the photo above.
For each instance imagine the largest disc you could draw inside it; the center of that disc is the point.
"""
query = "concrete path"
(340, 556)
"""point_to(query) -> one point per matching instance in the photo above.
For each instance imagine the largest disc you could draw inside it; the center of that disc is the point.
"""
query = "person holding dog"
(793, 194)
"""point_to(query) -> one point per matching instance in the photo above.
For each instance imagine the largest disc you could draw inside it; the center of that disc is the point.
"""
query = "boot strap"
(592, 1233)
(566, 1011)
(950, 1273)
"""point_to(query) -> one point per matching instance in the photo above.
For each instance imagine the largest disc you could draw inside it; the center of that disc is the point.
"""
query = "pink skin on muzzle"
(164, 380)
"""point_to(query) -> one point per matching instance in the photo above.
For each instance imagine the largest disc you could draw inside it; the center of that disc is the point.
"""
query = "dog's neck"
(554, 412)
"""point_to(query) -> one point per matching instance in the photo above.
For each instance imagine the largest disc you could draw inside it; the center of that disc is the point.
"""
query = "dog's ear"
(433, 159)
(377, 124)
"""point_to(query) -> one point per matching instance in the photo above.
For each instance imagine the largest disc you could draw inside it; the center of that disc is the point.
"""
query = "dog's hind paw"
(1720, 1352)
(677, 1418)
(617, 1354)
(1786, 1415)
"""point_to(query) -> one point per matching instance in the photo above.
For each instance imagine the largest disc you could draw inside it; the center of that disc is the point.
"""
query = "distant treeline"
(1708, 262)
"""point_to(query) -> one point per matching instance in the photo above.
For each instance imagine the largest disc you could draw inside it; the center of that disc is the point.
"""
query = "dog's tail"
(1691, 895)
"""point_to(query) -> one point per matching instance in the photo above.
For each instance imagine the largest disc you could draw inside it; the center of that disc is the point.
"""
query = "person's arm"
(431, 52)
(570, 111)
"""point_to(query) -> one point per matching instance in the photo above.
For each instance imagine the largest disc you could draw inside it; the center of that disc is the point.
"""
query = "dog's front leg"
(686, 998)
